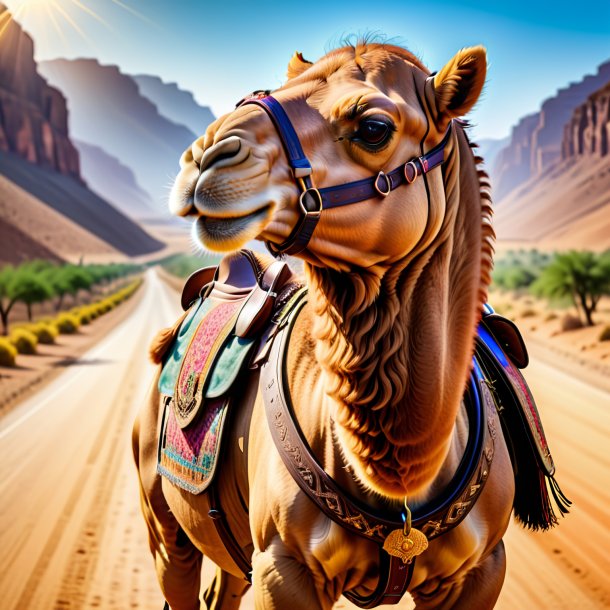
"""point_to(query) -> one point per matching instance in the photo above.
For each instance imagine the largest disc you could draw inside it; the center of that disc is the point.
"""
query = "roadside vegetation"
(41, 282)
(182, 265)
(578, 279)
(65, 298)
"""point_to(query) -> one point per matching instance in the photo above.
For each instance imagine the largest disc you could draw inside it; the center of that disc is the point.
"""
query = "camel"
(379, 355)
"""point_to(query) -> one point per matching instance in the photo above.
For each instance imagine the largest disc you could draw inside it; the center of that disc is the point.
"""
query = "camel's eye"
(374, 132)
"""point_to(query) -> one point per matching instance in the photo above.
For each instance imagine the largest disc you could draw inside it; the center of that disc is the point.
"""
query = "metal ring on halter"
(387, 182)
(315, 193)
(406, 173)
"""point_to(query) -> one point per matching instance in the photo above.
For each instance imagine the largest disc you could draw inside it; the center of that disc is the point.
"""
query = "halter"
(313, 200)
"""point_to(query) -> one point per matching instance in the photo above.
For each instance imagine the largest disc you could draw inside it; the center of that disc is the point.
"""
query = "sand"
(54, 232)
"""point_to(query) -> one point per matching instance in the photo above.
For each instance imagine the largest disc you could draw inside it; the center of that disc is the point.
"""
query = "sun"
(60, 13)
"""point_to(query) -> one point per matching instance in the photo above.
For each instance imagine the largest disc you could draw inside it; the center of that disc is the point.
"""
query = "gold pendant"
(405, 546)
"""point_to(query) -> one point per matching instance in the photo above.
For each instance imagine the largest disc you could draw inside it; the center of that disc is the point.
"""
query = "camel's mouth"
(230, 233)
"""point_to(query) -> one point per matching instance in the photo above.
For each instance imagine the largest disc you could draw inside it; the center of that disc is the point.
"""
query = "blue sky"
(222, 50)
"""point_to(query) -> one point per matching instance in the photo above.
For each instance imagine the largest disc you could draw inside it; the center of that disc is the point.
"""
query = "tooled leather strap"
(440, 515)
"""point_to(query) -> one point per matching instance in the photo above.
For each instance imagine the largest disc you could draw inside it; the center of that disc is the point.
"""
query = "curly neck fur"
(396, 348)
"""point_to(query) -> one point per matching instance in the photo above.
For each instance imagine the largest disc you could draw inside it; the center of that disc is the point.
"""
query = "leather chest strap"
(394, 575)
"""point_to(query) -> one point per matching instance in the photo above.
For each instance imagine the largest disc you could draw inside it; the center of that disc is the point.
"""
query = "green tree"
(29, 288)
(77, 278)
(7, 297)
(58, 279)
(21, 284)
(583, 276)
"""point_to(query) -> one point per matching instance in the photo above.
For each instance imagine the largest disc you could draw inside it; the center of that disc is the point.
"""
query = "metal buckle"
(315, 193)
(412, 164)
(387, 182)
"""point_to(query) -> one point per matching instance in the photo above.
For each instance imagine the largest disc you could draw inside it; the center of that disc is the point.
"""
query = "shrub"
(83, 315)
(67, 324)
(570, 322)
(107, 305)
(24, 341)
(8, 352)
(45, 333)
(93, 312)
(529, 313)
(605, 334)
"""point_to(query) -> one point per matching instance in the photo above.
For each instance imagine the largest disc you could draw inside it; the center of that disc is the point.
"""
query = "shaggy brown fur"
(363, 330)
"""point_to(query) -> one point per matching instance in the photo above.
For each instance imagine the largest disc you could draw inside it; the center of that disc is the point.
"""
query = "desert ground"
(71, 535)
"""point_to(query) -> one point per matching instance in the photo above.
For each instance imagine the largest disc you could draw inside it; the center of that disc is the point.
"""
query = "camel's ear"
(458, 85)
(297, 64)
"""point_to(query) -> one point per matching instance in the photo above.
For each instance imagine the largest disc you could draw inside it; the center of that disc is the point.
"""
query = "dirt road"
(70, 530)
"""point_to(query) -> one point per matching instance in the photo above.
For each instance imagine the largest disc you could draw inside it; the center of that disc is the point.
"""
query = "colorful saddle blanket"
(202, 366)
(214, 344)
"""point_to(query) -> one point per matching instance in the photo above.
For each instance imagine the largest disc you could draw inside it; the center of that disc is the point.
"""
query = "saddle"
(240, 316)
(228, 307)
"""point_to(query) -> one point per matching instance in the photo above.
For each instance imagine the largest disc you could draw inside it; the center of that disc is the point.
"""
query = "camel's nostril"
(224, 153)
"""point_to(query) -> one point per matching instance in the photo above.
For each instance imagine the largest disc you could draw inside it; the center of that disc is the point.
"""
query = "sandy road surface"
(70, 531)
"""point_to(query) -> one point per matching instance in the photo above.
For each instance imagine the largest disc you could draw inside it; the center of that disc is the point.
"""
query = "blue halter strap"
(313, 200)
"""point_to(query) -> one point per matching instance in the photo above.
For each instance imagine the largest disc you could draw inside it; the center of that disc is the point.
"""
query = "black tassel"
(536, 508)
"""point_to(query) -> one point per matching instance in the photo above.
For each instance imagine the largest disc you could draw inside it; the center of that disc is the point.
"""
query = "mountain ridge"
(567, 205)
(128, 125)
(535, 143)
(178, 105)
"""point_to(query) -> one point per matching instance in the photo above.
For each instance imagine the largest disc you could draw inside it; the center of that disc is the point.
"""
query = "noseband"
(313, 200)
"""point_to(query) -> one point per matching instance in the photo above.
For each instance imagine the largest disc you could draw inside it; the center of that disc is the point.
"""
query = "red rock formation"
(33, 115)
(512, 164)
(536, 142)
(588, 131)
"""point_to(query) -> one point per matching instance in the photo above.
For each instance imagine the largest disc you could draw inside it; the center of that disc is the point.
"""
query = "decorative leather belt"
(433, 519)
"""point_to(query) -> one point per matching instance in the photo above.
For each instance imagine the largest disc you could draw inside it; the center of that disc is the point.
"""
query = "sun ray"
(92, 13)
(55, 23)
(58, 11)
(71, 21)
(135, 13)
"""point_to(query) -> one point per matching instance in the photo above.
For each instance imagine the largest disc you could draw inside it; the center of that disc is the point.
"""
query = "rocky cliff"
(33, 115)
(567, 205)
(587, 134)
(512, 164)
(115, 182)
(174, 103)
(127, 125)
(536, 142)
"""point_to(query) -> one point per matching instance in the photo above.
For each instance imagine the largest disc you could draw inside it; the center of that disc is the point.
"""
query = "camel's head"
(357, 111)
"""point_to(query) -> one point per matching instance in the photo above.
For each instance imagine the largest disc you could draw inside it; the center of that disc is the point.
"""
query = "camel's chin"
(229, 234)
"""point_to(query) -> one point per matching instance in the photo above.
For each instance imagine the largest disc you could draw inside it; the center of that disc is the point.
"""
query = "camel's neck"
(396, 351)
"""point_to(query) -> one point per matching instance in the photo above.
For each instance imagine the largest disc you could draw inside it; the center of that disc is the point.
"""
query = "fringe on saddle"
(538, 498)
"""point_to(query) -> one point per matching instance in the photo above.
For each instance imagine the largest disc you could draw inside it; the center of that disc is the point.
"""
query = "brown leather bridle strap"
(226, 535)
